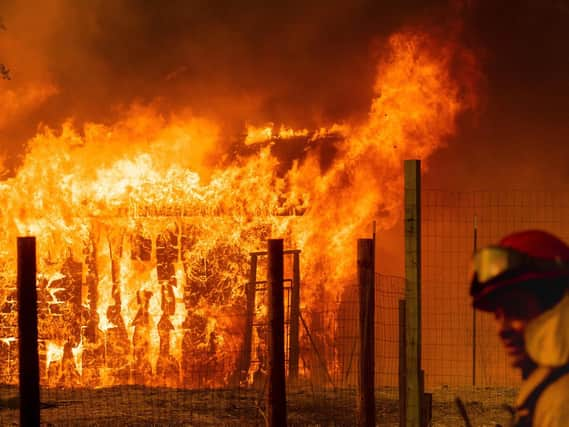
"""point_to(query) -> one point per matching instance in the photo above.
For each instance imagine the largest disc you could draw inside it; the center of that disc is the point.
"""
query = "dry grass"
(146, 406)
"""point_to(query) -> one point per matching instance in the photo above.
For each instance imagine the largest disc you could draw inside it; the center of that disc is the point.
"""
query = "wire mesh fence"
(389, 291)
(461, 352)
(113, 375)
(332, 341)
(116, 376)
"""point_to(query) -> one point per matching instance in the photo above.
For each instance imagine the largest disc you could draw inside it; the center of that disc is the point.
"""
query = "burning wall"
(142, 249)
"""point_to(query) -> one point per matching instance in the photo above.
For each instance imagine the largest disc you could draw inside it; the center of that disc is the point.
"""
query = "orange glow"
(143, 248)
(17, 101)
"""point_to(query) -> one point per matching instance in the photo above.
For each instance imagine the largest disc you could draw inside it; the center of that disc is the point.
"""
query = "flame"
(268, 133)
(54, 353)
(413, 111)
(143, 247)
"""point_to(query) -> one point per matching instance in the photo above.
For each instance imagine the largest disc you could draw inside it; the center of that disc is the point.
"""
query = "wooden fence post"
(28, 333)
(402, 365)
(413, 290)
(426, 402)
(366, 398)
(475, 248)
(276, 393)
(293, 353)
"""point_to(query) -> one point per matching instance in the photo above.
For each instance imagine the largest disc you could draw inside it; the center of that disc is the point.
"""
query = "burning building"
(144, 252)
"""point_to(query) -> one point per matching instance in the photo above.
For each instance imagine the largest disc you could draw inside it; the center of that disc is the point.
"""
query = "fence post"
(402, 365)
(28, 333)
(413, 290)
(366, 398)
(426, 402)
(475, 248)
(276, 393)
(294, 319)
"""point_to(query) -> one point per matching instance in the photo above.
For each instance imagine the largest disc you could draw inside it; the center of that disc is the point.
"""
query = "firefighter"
(523, 281)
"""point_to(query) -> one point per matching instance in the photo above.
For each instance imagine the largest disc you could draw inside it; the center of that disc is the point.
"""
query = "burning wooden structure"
(167, 338)
(144, 247)
(138, 307)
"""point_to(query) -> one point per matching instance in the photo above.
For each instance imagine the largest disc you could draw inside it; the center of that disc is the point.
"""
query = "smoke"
(519, 140)
(306, 64)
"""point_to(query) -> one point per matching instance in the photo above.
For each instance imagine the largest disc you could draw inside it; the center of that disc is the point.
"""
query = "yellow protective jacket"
(543, 400)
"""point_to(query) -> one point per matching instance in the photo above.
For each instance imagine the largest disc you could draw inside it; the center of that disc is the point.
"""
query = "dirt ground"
(485, 406)
(145, 406)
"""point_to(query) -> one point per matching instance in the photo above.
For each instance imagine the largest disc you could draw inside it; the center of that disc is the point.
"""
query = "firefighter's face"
(515, 309)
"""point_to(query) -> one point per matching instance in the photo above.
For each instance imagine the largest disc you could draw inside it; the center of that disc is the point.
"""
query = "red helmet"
(531, 257)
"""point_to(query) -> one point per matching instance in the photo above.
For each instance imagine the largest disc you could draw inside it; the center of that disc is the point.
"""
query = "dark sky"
(304, 63)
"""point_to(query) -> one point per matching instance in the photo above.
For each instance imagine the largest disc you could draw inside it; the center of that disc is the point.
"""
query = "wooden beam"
(413, 290)
(366, 396)
(285, 252)
(250, 293)
(28, 333)
(293, 352)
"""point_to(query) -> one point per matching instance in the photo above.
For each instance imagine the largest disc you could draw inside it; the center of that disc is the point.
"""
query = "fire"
(268, 133)
(143, 247)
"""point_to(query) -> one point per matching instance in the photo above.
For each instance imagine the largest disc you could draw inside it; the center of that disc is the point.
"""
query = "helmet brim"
(489, 298)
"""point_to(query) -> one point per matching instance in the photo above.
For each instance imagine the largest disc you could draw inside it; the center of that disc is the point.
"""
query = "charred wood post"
(117, 341)
(413, 291)
(167, 367)
(294, 319)
(141, 339)
(245, 360)
(70, 296)
(276, 393)
(168, 252)
(92, 281)
(366, 397)
(93, 356)
(28, 333)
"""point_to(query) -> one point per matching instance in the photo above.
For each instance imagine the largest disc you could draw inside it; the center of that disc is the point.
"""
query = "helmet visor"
(491, 262)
